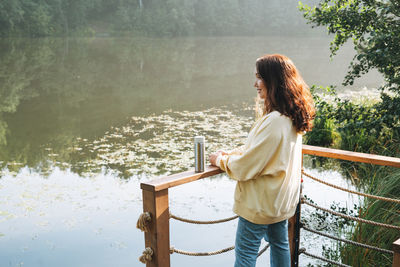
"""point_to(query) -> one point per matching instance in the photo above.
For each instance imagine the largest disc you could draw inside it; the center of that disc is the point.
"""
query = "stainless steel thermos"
(199, 153)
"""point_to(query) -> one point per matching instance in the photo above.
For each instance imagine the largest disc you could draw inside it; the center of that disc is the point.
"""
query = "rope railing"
(202, 222)
(263, 250)
(348, 241)
(351, 191)
(155, 200)
(145, 218)
(188, 253)
(303, 251)
(304, 201)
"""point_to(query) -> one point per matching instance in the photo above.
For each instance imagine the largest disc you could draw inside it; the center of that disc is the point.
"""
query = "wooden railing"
(155, 201)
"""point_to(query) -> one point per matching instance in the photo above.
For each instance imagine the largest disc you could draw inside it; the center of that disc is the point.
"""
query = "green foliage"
(369, 128)
(373, 129)
(171, 18)
(148, 18)
(374, 28)
(11, 14)
(324, 131)
(38, 20)
(43, 17)
(387, 185)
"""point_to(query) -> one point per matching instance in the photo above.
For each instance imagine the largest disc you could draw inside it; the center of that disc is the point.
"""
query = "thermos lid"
(199, 139)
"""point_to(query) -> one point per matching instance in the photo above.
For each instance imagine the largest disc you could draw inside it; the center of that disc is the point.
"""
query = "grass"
(385, 183)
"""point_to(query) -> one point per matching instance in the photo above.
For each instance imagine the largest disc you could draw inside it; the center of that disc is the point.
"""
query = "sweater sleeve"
(264, 147)
(236, 151)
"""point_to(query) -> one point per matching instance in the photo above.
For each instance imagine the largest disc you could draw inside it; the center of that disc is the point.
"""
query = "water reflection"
(77, 115)
(152, 145)
(53, 91)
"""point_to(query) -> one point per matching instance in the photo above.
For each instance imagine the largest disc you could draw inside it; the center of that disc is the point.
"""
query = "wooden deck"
(155, 201)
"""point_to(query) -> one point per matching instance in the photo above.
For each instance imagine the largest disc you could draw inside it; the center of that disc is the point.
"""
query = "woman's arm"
(213, 157)
(264, 150)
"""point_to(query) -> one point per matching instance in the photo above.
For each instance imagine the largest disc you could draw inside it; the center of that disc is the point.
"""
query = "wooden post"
(396, 255)
(156, 203)
(294, 237)
(294, 229)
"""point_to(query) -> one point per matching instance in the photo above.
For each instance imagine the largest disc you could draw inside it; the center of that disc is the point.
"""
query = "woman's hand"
(222, 152)
(213, 157)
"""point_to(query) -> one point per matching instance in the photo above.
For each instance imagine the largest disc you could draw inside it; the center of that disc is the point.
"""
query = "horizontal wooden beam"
(351, 156)
(179, 178)
(190, 176)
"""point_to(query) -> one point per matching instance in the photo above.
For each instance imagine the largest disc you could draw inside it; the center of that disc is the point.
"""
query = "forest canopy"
(37, 18)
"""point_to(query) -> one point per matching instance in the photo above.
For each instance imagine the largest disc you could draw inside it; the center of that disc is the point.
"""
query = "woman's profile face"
(260, 86)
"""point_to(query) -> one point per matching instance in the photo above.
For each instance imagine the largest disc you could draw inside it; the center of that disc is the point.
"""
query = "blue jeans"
(248, 240)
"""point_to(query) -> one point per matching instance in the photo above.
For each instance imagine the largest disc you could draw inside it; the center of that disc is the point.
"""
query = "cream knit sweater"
(267, 170)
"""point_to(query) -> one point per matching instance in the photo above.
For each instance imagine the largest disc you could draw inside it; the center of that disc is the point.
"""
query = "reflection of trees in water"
(151, 145)
(25, 64)
(19, 68)
(54, 90)
(3, 132)
(156, 144)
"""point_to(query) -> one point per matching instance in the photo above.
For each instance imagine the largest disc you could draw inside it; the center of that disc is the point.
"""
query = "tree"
(11, 13)
(373, 26)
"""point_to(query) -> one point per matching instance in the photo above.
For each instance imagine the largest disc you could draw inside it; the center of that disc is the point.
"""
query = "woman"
(268, 167)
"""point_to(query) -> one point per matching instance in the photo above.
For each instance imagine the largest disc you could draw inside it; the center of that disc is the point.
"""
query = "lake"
(84, 120)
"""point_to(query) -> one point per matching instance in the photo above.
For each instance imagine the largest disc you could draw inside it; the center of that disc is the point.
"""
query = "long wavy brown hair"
(286, 90)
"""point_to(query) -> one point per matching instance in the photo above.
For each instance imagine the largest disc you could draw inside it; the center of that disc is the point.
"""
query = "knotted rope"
(202, 222)
(188, 253)
(143, 221)
(146, 256)
(303, 251)
(351, 191)
(303, 200)
(348, 241)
